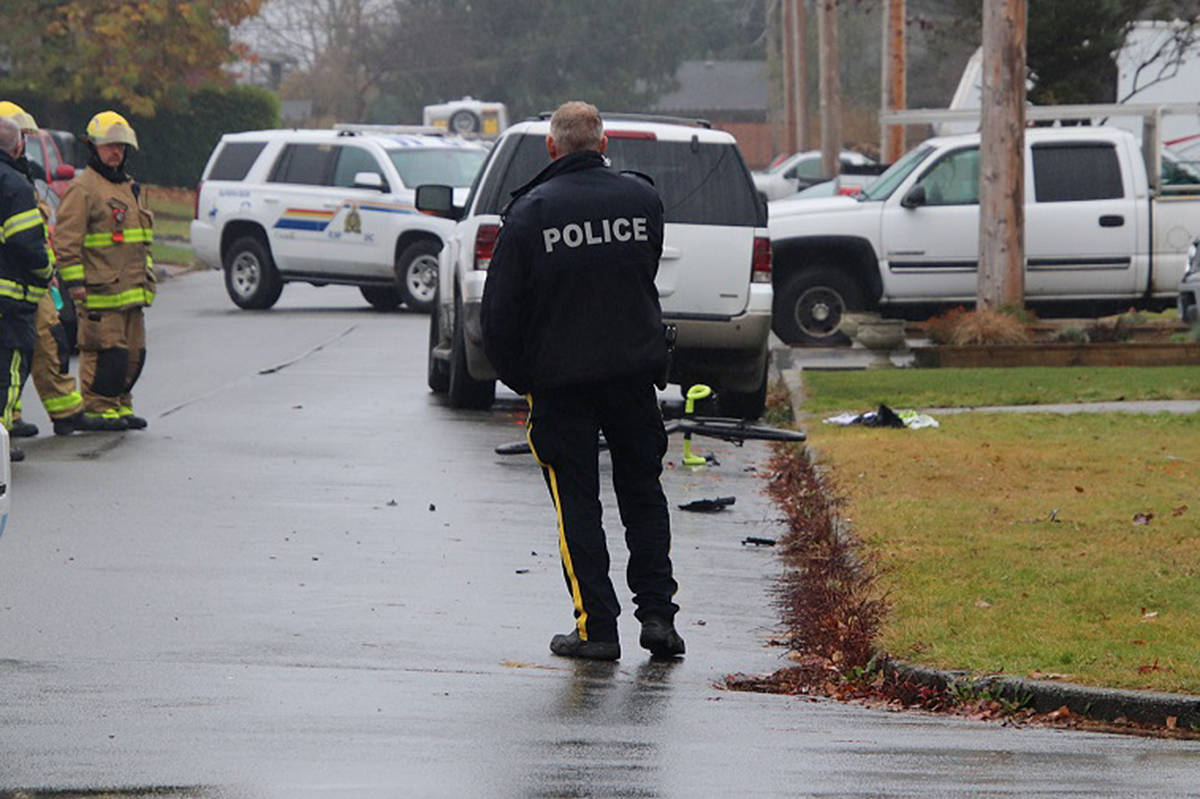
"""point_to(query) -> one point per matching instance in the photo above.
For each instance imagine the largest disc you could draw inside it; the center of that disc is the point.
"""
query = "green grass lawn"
(171, 254)
(932, 388)
(1031, 544)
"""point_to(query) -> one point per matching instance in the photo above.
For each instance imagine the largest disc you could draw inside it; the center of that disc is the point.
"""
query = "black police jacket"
(24, 264)
(570, 295)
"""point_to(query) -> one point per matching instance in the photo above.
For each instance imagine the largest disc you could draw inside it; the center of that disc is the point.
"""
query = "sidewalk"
(1105, 704)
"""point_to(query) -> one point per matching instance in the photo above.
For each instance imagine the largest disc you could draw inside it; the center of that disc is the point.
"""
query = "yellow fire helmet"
(109, 127)
(16, 113)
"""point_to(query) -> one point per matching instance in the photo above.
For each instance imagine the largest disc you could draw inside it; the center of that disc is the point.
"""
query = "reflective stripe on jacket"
(103, 242)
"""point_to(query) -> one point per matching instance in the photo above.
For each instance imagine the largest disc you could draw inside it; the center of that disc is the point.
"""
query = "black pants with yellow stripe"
(14, 370)
(563, 432)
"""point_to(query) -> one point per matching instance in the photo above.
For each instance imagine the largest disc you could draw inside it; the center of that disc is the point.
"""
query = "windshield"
(446, 167)
(886, 183)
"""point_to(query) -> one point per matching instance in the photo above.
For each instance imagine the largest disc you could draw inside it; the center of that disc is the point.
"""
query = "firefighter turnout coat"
(25, 267)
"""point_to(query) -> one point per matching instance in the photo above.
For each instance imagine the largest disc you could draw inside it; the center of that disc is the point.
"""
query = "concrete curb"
(1104, 704)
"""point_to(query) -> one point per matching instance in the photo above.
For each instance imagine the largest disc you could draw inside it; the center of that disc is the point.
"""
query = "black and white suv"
(714, 279)
(328, 206)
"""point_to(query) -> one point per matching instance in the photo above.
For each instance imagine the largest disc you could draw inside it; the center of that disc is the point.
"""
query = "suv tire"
(251, 279)
(417, 275)
(809, 308)
(437, 370)
(464, 390)
(382, 298)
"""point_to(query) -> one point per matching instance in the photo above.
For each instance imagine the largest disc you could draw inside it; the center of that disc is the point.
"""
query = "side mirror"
(369, 180)
(64, 172)
(914, 198)
(437, 200)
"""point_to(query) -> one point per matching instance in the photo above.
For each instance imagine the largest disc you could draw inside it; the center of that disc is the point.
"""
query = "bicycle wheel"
(735, 430)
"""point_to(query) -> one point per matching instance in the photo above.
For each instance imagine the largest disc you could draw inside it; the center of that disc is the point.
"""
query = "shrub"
(986, 326)
(940, 328)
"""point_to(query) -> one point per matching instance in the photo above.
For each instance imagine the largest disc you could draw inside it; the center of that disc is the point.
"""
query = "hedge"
(174, 144)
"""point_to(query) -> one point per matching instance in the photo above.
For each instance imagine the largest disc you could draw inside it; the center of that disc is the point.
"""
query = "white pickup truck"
(1095, 234)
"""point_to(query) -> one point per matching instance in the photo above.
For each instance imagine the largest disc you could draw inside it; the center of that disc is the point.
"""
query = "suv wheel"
(382, 298)
(437, 370)
(250, 275)
(744, 404)
(417, 274)
(809, 309)
(464, 390)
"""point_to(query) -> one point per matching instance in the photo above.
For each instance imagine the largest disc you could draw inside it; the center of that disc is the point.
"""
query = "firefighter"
(24, 270)
(51, 349)
(103, 241)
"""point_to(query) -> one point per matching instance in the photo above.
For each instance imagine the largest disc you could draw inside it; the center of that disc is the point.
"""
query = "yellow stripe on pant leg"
(564, 552)
(14, 389)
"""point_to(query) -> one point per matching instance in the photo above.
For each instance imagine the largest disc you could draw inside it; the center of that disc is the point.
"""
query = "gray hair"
(10, 135)
(575, 127)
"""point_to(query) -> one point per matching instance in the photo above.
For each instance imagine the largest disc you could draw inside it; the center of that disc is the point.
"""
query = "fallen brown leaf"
(1178, 511)
(1172, 722)
(982, 603)
(1063, 712)
(1142, 518)
(1079, 489)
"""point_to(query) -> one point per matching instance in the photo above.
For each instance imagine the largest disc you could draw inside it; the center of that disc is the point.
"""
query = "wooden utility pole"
(1001, 168)
(798, 33)
(893, 84)
(831, 90)
(778, 50)
(789, 76)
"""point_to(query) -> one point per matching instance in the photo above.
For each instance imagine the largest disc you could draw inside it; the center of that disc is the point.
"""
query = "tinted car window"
(235, 160)
(1075, 172)
(306, 164)
(704, 184)
(351, 161)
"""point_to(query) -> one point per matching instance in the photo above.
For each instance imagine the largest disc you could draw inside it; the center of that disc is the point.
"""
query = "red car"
(43, 152)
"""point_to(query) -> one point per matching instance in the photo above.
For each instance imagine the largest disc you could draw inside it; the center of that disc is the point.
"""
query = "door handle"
(1112, 220)
(271, 200)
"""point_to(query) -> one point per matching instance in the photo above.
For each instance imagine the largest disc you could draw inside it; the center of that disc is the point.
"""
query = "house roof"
(708, 86)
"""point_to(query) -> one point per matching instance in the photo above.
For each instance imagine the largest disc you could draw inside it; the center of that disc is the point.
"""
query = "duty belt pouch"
(669, 334)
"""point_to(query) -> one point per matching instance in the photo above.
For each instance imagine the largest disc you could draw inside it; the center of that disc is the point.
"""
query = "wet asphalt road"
(309, 577)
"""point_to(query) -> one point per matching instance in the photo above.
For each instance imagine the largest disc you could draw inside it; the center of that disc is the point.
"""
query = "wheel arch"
(852, 254)
(240, 228)
(411, 237)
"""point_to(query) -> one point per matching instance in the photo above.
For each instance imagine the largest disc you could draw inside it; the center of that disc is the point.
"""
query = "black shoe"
(659, 636)
(22, 429)
(134, 422)
(15, 454)
(67, 424)
(569, 646)
(105, 423)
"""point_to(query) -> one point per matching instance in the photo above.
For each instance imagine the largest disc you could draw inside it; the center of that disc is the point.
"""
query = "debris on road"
(708, 505)
(758, 542)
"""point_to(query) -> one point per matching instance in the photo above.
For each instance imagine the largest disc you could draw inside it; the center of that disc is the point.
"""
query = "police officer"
(24, 270)
(571, 319)
(50, 366)
(103, 240)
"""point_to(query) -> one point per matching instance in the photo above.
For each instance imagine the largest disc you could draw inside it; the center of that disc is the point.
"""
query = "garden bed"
(1139, 353)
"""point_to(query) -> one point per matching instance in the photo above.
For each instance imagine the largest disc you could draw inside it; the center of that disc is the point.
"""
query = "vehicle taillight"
(196, 201)
(760, 263)
(485, 243)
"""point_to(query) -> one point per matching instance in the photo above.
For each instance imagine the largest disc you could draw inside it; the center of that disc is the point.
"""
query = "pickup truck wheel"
(417, 274)
(437, 370)
(465, 391)
(809, 309)
(382, 298)
(744, 404)
(251, 279)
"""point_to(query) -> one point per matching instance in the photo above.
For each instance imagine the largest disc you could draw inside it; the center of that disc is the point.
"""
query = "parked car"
(801, 170)
(1095, 234)
(328, 206)
(714, 279)
(43, 152)
(1189, 287)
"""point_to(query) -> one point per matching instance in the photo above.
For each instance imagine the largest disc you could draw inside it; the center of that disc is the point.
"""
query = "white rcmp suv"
(328, 206)
(714, 279)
